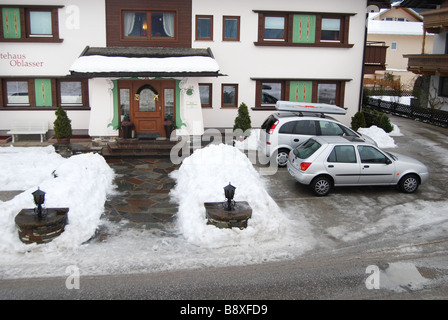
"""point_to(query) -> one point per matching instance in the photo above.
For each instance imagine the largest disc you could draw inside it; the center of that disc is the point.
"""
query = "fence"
(432, 116)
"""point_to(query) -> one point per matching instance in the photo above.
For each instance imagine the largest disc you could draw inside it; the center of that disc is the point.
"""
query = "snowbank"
(202, 177)
(380, 136)
(80, 183)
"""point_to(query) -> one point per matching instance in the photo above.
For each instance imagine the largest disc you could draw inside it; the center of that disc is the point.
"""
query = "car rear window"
(307, 149)
(267, 124)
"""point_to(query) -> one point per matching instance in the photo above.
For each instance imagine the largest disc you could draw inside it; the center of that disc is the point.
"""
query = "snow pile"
(380, 136)
(121, 64)
(80, 183)
(202, 177)
(251, 142)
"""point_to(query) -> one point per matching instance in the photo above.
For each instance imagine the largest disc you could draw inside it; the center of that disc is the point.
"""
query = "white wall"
(243, 60)
(81, 23)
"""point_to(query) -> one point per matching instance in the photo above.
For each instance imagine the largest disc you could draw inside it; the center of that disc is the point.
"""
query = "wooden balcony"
(428, 64)
(375, 57)
(435, 20)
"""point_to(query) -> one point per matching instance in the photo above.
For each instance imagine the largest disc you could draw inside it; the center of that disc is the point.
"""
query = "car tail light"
(271, 131)
(305, 165)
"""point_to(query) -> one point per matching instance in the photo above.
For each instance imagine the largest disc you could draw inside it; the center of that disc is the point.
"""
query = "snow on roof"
(105, 64)
(395, 27)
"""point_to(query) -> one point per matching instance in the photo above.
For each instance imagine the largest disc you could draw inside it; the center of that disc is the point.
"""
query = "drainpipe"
(363, 65)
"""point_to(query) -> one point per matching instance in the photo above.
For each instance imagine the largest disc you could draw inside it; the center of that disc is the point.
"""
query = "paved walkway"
(143, 186)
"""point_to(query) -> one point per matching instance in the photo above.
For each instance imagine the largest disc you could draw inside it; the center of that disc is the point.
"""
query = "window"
(71, 93)
(443, 87)
(326, 93)
(268, 92)
(30, 24)
(271, 92)
(17, 93)
(229, 96)
(149, 25)
(345, 154)
(330, 30)
(40, 24)
(328, 128)
(393, 46)
(44, 93)
(303, 29)
(274, 28)
(231, 28)
(204, 28)
(371, 155)
(205, 92)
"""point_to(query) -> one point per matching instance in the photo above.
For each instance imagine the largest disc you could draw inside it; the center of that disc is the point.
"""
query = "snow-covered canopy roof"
(145, 62)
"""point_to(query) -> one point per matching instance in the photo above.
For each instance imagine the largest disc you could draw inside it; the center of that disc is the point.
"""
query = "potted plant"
(169, 125)
(126, 127)
(242, 121)
(62, 126)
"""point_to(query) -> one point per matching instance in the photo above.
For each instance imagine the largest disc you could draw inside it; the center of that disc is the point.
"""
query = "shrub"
(242, 121)
(358, 121)
(62, 125)
(379, 119)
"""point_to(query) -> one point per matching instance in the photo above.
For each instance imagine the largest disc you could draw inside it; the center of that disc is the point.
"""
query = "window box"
(303, 29)
(29, 23)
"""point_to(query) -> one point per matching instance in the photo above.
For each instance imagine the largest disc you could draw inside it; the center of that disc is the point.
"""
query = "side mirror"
(388, 161)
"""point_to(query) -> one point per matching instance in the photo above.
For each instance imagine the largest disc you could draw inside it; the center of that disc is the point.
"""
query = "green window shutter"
(11, 23)
(43, 92)
(301, 91)
(304, 28)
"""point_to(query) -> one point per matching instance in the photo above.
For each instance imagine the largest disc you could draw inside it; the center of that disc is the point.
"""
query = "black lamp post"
(39, 199)
(229, 192)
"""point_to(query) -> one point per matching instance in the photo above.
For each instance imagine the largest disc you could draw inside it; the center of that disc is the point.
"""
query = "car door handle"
(366, 166)
(296, 140)
(330, 166)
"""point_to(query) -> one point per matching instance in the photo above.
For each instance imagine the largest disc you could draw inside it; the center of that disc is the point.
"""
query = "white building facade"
(193, 61)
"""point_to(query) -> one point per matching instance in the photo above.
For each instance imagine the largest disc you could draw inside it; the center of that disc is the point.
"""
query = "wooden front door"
(147, 108)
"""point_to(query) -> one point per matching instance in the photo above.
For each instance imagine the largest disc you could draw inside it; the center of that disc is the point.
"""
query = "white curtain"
(129, 20)
(168, 24)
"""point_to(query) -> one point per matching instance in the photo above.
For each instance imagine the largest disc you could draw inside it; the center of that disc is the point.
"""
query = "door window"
(147, 101)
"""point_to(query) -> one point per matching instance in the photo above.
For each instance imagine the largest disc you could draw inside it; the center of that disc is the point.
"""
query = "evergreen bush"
(242, 121)
(62, 125)
(358, 121)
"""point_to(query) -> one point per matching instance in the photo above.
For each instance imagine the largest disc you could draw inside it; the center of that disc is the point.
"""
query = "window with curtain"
(149, 25)
(41, 23)
(17, 93)
(231, 30)
(204, 27)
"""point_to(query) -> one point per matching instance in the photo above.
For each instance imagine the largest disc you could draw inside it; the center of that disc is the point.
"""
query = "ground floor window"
(269, 91)
(205, 92)
(229, 96)
(44, 92)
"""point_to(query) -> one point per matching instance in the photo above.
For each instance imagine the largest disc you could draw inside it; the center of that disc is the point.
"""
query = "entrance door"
(147, 108)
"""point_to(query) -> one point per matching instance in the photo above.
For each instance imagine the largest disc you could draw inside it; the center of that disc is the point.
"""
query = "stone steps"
(138, 148)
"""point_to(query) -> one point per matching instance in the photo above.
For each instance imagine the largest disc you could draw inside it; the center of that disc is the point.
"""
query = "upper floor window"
(29, 24)
(204, 27)
(303, 29)
(231, 28)
(149, 25)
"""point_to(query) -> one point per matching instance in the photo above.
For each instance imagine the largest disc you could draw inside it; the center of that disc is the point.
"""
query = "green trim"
(179, 122)
(115, 121)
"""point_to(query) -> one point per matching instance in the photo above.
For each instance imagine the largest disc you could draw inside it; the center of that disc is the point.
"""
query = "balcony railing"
(375, 56)
(428, 64)
(434, 20)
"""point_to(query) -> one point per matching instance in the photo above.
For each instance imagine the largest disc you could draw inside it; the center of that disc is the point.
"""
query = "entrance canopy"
(98, 62)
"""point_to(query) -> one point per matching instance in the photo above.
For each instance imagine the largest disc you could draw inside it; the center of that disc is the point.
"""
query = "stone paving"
(143, 186)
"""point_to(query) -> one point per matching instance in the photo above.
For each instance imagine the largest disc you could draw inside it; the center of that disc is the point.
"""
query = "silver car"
(282, 132)
(327, 162)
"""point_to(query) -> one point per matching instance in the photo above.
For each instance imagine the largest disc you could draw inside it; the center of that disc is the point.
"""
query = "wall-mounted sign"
(18, 60)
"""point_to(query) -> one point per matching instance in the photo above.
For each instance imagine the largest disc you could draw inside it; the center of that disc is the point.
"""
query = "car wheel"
(409, 183)
(321, 186)
(282, 157)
